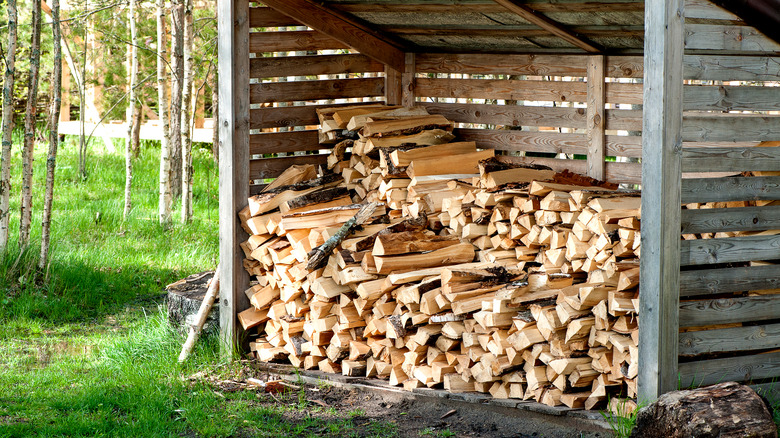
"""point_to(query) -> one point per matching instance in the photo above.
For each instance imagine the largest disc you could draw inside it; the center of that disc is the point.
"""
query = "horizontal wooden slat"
(509, 115)
(731, 159)
(730, 127)
(764, 188)
(489, 8)
(731, 68)
(315, 90)
(729, 38)
(729, 310)
(536, 65)
(728, 280)
(296, 41)
(706, 9)
(628, 173)
(312, 65)
(729, 250)
(744, 368)
(713, 220)
(760, 337)
(267, 17)
(507, 140)
(730, 98)
(273, 142)
(273, 167)
(624, 146)
(289, 116)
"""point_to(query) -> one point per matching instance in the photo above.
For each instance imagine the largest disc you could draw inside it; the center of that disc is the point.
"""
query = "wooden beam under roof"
(549, 25)
(343, 29)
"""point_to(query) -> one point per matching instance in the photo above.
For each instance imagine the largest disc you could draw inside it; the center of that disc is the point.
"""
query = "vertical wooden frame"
(393, 86)
(407, 81)
(661, 181)
(595, 117)
(233, 65)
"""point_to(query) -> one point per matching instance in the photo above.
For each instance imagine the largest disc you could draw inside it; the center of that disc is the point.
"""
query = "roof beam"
(343, 29)
(549, 25)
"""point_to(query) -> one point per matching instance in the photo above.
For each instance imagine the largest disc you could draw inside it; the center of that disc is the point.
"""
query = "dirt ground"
(408, 416)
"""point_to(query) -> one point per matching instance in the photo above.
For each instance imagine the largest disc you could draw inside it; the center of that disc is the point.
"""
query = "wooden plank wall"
(730, 275)
(293, 72)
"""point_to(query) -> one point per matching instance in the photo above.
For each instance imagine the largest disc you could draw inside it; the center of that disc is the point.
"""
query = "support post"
(595, 117)
(393, 86)
(407, 81)
(659, 282)
(233, 67)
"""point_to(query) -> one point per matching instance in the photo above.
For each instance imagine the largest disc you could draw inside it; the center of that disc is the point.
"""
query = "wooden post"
(661, 181)
(595, 117)
(393, 86)
(407, 81)
(233, 28)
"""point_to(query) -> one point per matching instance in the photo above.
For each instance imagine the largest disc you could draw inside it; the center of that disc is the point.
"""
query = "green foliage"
(622, 425)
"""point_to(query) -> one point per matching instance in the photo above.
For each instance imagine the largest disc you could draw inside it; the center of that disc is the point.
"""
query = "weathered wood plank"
(341, 27)
(282, 66)
(291, 41)
(731, 68)
(713, 220)
(624, 146)
(731, 189)
(758, 337)
(393, 86)
(628, 173)
(728, 250)
(731, 127)
(233, 42)
(509, 115)
(408, 91)
(491, 8)
(291, 116)
(273, 167)
(731, 98)
(553, 91)
(708, 372)
(708, 10)
(274, 142)
(728, 37)
(536, 65)
(267, 17)
(595, 117)
(731, 159)
(729, 310)
(728, 280)
(507, 140)
(316, 90)
(661, 173)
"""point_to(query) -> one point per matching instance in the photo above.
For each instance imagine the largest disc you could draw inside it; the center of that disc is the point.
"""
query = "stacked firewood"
(467, 273)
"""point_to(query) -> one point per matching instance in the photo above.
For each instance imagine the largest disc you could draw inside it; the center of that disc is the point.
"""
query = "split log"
(318, 257)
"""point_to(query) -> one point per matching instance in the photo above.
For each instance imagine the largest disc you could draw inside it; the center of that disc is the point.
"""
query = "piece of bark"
(724, 410)
(318, 257)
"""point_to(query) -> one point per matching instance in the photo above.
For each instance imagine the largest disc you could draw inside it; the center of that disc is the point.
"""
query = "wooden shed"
(674, 95)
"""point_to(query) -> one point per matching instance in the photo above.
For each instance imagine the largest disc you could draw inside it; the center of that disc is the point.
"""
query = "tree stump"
(724, 410)
(184, 298)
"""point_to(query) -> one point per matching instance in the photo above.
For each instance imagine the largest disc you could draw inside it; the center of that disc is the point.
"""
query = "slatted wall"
(730, 281)
(294, 71)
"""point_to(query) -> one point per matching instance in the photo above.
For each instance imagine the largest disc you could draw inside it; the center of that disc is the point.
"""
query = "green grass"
(85, 349)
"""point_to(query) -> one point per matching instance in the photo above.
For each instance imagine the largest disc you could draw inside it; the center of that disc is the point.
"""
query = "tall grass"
(99, 261)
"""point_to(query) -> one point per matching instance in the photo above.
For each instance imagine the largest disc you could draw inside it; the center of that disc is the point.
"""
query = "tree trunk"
(215, 100)
(137, 122)
(29, 127)
(166, 199)
(8, 126)
(177, 82)
(186, 116)
(83, 102)
(131, 119)
(54, 120)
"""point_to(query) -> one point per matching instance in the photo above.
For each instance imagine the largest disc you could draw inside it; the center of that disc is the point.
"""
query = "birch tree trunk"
(177, 82)
(166, 199)
(187, 110)
(131, 119)
(215, 100)
(54, 120)
(8, 125)
(29, 127)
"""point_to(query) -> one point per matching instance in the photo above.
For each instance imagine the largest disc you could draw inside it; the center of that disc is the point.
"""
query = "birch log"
(54, 119)
(8, 124)
(29, 128)
(203, 313)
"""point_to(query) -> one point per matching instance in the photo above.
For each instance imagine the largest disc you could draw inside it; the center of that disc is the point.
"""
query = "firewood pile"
(468, 273)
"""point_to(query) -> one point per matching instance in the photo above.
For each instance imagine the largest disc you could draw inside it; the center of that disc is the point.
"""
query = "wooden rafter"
(549, 25)
(343, 29)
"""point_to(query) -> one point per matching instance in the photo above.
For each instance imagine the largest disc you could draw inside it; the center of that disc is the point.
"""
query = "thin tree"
(8, 125)
(177, 76)
(54, 120)
(29, 127)
(131, 119)
(215, 100)
(188, 108)
(166, 198)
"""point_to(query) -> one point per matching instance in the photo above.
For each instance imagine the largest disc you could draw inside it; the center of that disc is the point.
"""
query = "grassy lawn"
(85, 347)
